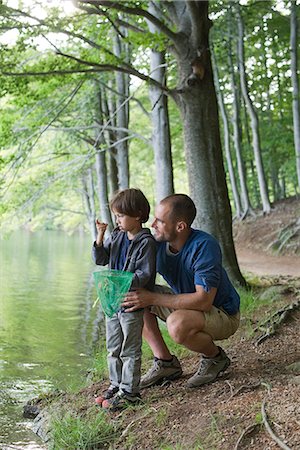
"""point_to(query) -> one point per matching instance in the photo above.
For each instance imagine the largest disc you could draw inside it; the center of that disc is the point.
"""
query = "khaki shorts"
(218, 324)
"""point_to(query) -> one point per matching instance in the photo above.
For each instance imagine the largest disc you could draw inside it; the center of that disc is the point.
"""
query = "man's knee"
(181, 326)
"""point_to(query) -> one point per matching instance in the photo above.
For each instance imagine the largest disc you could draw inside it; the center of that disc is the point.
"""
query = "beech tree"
(295, 86)
(185, 26)
(253, 117)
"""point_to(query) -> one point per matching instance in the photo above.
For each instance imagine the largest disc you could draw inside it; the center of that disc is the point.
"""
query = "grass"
(82, 433)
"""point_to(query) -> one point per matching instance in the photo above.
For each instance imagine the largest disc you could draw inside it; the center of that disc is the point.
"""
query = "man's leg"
(185, 328)
(165, 365)
(191, 329)
(152, 335)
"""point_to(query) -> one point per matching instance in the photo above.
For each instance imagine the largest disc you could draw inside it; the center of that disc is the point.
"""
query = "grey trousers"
(124, 347)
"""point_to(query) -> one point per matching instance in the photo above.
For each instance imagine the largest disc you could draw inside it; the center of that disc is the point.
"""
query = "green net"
(111, 286)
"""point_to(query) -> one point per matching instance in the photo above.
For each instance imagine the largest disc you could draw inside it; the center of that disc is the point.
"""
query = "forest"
(193, 97)
(184, 96)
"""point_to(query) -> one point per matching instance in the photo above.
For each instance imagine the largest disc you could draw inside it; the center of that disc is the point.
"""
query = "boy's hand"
(101, 228)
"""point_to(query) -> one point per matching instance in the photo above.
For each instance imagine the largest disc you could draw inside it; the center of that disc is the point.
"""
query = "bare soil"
(215, 416)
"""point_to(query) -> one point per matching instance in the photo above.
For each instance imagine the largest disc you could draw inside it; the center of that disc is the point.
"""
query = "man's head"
(174, 216)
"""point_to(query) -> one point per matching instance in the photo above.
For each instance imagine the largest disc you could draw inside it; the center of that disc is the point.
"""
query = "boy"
(131, 248)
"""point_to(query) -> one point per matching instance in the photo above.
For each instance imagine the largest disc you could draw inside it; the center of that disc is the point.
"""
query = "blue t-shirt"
(121, 257)
(199, 262)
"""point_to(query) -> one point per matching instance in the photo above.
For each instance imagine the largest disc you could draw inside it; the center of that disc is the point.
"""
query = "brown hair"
(182, 208)
(131, 202)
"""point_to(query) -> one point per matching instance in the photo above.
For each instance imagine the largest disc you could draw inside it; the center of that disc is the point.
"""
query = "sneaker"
(111, 391)
(209, 370)
(121, 400)
(161, 371)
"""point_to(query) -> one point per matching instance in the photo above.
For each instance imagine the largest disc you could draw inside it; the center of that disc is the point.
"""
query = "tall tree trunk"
(161, 138)
(253, 117)
(122, 119)
(235, 193)
(295, 85)
(236, 123)
(198, 106)
(109, 108)
(89, 200)
(100, 165)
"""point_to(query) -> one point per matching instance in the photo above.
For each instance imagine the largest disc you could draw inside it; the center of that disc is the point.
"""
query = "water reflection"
(47, 323)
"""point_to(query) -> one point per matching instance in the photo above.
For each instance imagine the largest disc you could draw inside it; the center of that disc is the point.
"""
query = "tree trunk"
(122, 120)
(101, 171)
(236, 123)
(235, 193)
(109, 108)
(295, 86)
(253, 117)
(161, 138)
(89, 200)
(198, 106)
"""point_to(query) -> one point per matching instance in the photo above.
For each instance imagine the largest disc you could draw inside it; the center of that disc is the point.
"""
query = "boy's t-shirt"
(121, 257)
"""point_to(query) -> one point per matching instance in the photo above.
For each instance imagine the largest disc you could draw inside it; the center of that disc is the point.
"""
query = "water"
(47, 324)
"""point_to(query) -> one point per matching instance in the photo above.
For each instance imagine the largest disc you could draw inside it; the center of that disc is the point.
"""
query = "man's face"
(164, 227)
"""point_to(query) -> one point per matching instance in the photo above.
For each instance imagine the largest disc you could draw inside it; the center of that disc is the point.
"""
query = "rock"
(294, 368)
(41, 426)
(30, 411)
(296, 380)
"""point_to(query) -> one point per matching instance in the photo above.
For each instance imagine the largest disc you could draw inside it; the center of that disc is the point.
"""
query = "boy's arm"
(100, 249)
(145, 264)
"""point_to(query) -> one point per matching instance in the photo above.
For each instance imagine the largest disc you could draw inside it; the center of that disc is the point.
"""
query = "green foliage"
(46, 126)
(83, 433)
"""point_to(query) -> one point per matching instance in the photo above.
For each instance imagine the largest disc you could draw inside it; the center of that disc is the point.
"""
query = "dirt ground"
(260, 389)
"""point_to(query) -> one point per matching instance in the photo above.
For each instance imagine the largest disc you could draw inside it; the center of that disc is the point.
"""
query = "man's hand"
(141, 298)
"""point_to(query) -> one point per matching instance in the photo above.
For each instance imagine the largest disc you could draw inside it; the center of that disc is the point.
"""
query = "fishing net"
(111, 286)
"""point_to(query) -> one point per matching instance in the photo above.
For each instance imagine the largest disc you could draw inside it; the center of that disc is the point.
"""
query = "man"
(204, 306)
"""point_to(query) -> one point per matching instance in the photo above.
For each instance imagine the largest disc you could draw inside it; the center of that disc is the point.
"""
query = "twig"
(231, 388)
(269, 429)
(125, 431)
(245, 387)
(247, 431)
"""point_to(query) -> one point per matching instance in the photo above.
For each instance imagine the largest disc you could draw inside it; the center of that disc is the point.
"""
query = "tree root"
(269, 429)
(244, 387)
(270, 326)
(249, 430)
(285, 236)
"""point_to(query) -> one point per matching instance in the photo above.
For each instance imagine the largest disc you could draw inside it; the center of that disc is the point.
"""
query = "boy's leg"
(131, 353)
(114, 339)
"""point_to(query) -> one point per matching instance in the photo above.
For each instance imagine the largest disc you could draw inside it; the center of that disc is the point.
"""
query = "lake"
(48, 326)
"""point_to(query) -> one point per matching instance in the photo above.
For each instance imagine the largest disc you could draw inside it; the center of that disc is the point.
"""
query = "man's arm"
(199, 300)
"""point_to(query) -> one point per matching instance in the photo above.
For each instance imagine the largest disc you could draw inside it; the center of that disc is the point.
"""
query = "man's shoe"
(161, 371)
(111, 391)
(120, 401)
(209, 370)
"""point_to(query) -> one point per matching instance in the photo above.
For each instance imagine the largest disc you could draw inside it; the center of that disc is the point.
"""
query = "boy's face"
(127, 223)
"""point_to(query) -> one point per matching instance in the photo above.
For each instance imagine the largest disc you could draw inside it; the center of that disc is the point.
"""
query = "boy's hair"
(131, 202)
(182, 208)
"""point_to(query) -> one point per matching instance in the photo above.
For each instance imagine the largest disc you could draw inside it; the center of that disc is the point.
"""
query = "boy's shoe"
(161, 371)
(121, 400)
(209, 370)
(111, 391)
